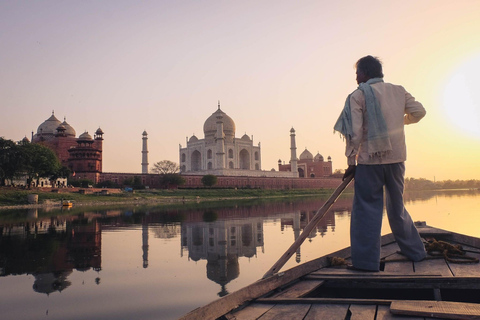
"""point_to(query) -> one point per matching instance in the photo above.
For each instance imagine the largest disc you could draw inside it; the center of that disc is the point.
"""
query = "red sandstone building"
(82, 155)
(309, 166)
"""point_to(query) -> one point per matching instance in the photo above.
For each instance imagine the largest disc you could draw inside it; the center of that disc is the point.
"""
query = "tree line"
(30, 160)
(424, 184)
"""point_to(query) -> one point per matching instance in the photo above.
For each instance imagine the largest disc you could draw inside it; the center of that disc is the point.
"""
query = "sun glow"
(461, 99)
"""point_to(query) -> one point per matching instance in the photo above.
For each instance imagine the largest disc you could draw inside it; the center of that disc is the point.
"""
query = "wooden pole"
(313, 223)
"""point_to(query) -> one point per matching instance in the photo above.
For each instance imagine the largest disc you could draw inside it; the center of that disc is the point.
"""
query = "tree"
(82, 183)
(9, 160)
(107, 184)
(62, 172)
(165, 167)
(171, 180)
(209, 180)
(38, 161)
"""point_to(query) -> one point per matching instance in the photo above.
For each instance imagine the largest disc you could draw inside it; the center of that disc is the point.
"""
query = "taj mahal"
(221, 153)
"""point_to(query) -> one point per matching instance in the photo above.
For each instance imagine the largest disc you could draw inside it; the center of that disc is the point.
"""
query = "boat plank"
(452, 236)
(397, 263)
(347, 301)
(466, 269)
(433, 266)
(362, 312)
(383, 313)
(286, 312)
(251, 312)
(437, 309)
(434, 232)
(327, 311)
(388, 250)
(328, 273)
(299, 289)
(466, 240)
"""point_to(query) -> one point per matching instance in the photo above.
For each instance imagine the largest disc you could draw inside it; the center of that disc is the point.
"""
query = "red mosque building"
(82, 155)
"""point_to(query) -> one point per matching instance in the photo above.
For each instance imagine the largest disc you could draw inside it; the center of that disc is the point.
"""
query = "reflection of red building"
(84, 246)
(57, 247)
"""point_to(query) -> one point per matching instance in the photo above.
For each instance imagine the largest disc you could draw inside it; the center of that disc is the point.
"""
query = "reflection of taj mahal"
(221, 243)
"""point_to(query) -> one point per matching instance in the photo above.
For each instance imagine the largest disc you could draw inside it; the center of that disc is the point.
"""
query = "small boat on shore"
(445, 285)
(67, 203)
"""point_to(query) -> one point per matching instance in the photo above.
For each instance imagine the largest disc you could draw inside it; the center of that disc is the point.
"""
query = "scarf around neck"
(377, 132)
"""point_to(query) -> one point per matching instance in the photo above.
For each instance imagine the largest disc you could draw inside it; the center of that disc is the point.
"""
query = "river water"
(155, 263)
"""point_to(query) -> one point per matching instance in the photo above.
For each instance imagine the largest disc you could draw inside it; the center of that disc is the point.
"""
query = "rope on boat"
(451, 253)
(337, 261)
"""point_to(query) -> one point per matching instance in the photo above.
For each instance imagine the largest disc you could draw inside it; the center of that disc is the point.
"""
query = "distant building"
(82, 155)
(221, 153)
(307, 166)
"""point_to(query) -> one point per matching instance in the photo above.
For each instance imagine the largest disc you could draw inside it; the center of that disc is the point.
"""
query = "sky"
(162, 66)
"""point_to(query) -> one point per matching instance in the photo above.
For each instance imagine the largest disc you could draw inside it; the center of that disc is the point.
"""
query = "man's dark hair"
(370, 66)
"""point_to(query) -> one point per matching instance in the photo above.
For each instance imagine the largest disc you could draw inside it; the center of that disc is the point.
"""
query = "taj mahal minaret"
(144, 153)
(293, 152)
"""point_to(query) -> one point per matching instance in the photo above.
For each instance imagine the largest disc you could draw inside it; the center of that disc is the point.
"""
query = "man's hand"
(350, 171)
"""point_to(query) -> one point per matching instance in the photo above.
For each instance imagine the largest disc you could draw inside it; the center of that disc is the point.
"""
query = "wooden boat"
(446, 287)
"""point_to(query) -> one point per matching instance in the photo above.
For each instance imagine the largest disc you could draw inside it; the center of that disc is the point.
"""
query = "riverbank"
(12, 198)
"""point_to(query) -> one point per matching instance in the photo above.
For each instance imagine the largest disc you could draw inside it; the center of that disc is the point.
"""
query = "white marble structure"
(220, 153)
(144, 153)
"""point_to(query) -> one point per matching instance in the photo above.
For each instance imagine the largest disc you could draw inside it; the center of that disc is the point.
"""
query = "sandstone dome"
(318, 157)
(306, 155)
(49, 126)
(85, 136)
(69, 131)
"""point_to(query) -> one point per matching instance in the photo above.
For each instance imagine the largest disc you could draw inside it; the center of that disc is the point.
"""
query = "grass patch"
(12, 197)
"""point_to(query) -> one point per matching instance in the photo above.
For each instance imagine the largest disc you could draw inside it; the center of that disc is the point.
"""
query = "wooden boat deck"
(433, 288)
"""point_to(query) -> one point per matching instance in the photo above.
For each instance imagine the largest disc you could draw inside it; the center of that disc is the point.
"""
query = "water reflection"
(221, 243)
(52, 247)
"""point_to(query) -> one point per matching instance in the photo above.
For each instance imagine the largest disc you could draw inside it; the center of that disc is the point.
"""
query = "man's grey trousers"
(367, 212)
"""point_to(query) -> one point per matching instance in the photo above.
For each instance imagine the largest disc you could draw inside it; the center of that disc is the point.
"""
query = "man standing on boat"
(372, 123)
